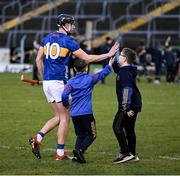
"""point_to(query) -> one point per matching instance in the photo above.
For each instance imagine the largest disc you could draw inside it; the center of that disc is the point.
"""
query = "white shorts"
(53, 90)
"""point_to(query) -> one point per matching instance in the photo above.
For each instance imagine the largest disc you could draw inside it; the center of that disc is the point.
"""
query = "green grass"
(23, 111)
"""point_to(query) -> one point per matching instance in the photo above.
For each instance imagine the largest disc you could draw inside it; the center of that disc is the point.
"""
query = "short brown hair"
(129, 54)
(80, 65)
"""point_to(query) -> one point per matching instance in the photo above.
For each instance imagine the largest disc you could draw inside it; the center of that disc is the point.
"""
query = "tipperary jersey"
(57, 48)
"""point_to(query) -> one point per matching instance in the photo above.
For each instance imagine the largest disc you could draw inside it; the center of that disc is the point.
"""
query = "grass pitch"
(23, 111)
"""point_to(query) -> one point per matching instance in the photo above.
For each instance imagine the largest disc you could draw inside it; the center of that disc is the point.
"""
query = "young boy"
(129, 104)
(80, 87)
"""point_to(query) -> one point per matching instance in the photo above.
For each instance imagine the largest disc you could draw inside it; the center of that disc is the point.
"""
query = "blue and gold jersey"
(57, 48)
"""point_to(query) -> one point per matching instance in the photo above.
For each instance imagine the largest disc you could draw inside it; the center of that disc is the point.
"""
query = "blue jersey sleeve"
(65, 95)
(127, 84)
(126, 101)
(100, 75)
(72, 45)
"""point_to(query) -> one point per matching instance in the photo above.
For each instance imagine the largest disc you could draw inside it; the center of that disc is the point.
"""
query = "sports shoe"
(135, 158)
(58, 157)
(35, 146)
(123, 158)
(74, 159)
(156, 81)
(78, 156)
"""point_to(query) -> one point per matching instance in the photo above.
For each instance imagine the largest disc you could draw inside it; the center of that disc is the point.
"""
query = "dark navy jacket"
(80, 87)
(128, 95)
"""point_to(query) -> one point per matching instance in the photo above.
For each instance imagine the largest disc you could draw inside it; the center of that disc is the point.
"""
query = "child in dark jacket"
(129, 104)
(80, 87)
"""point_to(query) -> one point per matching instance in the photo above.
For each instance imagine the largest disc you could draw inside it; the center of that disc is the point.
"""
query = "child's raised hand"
(111, 61)
(114, 49)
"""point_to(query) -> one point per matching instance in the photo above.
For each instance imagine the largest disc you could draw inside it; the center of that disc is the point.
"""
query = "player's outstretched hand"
(111, 61)
(114, 49)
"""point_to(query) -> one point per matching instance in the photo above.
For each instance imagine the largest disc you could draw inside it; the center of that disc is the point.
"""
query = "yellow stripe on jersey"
(77, 50)
(45, 49)
(63, 52)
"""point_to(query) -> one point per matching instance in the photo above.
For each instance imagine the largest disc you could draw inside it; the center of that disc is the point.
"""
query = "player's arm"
(127, 91)
(65, 95)
(143, 51)
(126, 101)
(96, 58)
(102, 74)
(39, 61)
(116, 65)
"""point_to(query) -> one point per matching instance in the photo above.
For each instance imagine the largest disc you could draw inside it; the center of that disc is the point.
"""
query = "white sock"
(39, 138)
(60, 152)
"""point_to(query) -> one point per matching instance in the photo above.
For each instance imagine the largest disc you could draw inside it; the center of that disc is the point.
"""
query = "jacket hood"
(130, 68)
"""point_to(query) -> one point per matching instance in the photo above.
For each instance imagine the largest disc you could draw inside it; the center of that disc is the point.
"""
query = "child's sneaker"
(58, 157)
(135, 158)
(35, 146)
(78, 156)
(123, 158)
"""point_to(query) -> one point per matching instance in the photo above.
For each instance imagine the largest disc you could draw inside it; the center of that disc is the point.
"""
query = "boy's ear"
(126, 59)
(87, 68)
(75, 69)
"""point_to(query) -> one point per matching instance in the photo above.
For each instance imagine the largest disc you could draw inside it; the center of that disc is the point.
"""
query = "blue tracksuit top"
(128, 94)
(80, 87)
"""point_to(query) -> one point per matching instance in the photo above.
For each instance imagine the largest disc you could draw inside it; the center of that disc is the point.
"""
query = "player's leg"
(118, 127)
(79, 131)
(80, 136)
(130, 132)
(48, 87)
(131, 136)
(89, 126)
(64, 123)
(35, 141)
(53, 122)
(62, 132)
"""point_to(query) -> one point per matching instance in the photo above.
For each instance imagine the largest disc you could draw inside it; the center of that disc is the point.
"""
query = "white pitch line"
(25, 148)
(169, 158)
(46, 149)
(49, 149)
(4, 147)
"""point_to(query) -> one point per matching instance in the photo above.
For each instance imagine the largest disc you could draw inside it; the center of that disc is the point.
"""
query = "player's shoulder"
(69, 82)
(70, 38)
(53, 34)
(49, 34)
(73, 79)
(67, 38)
(91, 76)
(46, 37)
